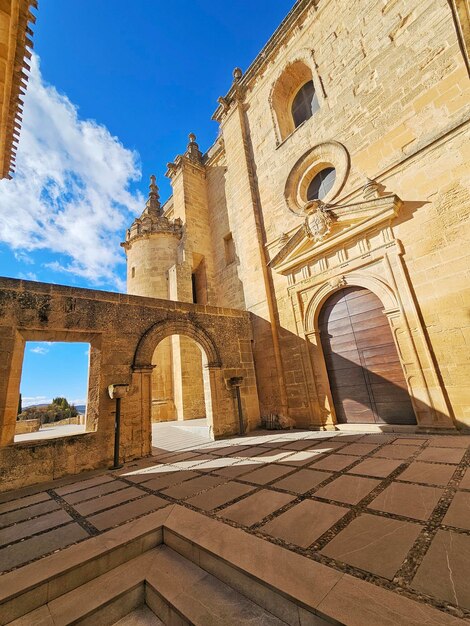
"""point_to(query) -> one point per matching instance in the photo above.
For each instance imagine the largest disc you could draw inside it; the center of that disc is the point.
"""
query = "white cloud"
(70, 193)
(22, 257)
(28, 275)
(32, 400)
(39, 350)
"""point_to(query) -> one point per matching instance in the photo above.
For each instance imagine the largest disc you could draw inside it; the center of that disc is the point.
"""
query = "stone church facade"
(313, 264)
(334, 207)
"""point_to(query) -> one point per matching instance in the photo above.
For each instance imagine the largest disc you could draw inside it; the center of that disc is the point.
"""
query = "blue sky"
(114, 90)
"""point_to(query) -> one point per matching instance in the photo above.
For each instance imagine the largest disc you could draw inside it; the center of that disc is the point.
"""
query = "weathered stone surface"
(123, 332)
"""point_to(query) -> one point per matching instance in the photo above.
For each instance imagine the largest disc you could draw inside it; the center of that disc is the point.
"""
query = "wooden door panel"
(395, 413)
(348, 376)
(340, 362)
(365, 374)
(340, 311)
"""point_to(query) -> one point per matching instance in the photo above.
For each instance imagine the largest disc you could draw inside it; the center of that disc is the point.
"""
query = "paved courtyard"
(387, 508)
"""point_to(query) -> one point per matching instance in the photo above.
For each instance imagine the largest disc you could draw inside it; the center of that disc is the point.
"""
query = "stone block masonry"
(123, 332)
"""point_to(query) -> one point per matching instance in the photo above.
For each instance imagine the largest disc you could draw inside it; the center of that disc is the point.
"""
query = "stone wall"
(123, 332)
(394, 91)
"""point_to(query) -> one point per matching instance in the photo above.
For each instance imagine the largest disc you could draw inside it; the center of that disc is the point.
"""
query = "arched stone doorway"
(156, 336)
(364, 371)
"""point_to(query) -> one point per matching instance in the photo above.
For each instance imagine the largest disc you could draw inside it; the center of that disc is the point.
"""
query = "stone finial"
(193, 148)
(370, 191)
(237, 74)
(153, 203)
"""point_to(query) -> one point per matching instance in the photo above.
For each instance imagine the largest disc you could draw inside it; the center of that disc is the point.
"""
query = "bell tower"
(152, 244)
(152, 249)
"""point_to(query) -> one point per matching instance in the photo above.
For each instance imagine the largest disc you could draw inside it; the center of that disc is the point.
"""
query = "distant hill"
(81, 408)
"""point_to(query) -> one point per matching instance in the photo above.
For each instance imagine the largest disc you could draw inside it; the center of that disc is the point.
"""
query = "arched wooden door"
(365, 374)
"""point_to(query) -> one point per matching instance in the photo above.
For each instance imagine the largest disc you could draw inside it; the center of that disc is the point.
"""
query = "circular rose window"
(319, 174)
(321, 184)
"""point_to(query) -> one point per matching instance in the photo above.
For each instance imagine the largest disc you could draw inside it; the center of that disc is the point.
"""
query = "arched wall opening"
(164, 346)
(294, 77)
(180, 383)
(366, 380)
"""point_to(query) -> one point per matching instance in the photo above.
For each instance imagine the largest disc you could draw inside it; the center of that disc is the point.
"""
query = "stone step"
(176, 591)
(142, 616)
(178, 587)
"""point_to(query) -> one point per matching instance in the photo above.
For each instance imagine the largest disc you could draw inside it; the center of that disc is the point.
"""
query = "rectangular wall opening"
(54, 389)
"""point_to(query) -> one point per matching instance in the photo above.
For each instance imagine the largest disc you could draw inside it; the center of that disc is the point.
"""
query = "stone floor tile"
(193, 486)
(126, 512)
(301, 444)
(348, 489)
(302, 481)
(378, 438)
(147, 473)
(359, 449)
(251, 452)
(304, 523)
(414, 501)
(458, 513)
(235, 451)
(256, 507)
(465, 482)
(410, 441)
(213, 498)
(393, 451)
(175, 478)
(105, 502)
(301, 458)
(353, 438)
(32, 527)
(34, 547)
(334, 462)
(427, 473)
(193, 464)
(94, 492)
(455, 441)
(442, 455)
(240, 469)
(374, 544)
(19, 503)
(359, 603)
(216, 463)
(327, 446)
(266, 474)
(274, 456)
(84, 484)
(376, 467)
(443, 572)
(13, 517)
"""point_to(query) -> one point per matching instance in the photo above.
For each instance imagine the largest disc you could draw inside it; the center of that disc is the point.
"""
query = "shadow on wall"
(369, 387)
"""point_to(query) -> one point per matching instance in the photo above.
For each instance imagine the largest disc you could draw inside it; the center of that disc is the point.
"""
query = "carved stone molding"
(328, 154)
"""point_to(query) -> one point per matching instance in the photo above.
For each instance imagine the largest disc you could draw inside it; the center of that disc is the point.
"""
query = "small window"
(322, 184)
(133, 272)
(229, 246)
(305, 104)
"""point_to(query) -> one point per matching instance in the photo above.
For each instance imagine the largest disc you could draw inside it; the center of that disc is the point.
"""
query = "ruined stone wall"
(123, 331)
(393, 89)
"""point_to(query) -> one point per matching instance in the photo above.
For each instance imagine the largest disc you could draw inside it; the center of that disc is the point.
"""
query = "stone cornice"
(145, 226)
(349, 222)
(16, 24)
(270, 48)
